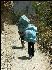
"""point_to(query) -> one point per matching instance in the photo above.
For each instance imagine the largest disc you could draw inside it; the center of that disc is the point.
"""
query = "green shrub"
(43, 9)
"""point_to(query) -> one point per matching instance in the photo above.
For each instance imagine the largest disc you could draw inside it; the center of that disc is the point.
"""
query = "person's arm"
(37, 32)
(24, 33)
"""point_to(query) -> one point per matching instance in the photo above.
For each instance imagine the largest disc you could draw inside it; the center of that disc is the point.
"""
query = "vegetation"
(5, 8)
(43, 10)
(7, 13)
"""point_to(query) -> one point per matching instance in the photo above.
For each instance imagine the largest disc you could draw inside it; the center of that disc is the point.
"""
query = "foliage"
(6, 6)
(43, 10)
(27, 9)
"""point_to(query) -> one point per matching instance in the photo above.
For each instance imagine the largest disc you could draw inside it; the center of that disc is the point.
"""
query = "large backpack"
(22, 24)
(24, 20)
(30, 35)
(31, 27)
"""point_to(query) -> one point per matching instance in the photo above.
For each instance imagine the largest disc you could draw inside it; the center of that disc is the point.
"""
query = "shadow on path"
(23, 58)
(14, 47)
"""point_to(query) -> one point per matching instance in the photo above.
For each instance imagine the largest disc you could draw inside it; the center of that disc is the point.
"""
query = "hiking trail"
(13, 57)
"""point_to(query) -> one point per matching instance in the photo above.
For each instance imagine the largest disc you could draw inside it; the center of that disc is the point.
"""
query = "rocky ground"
(13, 57)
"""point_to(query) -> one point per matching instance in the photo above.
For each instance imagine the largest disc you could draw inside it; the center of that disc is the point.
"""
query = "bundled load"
(22, 24)
(24, 20)
(30, 35)
(31, 27)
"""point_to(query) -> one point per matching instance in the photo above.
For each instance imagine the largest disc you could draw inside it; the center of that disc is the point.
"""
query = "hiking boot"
(30, 57)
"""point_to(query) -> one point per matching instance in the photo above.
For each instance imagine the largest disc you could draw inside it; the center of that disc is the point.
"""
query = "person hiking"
(30, 37)
(31, 48)
(22, 24)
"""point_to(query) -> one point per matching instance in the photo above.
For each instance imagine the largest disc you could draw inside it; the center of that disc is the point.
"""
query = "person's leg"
(29, 49)
(32, 49)
(22, 42)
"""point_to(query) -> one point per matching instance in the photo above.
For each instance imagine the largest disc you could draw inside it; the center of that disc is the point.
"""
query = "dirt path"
(13, 57)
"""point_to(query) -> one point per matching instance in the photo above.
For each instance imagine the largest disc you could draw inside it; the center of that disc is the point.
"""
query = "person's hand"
(24, 33)
(37, 32)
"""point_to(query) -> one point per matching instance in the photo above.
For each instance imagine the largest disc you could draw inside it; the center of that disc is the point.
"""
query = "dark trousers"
(31, 48)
